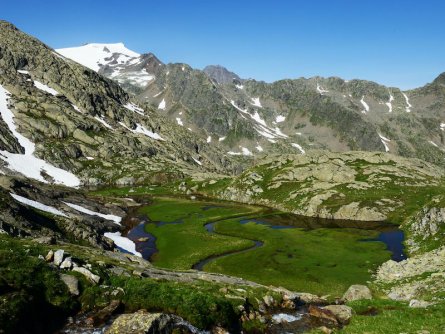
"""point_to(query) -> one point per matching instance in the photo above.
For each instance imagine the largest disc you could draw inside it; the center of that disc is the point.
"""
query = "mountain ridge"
(250, 117)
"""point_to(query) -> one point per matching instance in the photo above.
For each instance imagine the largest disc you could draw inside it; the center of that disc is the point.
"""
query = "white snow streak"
(113, 218)
(239, 86)
(259, 148)
(321, 90)
(433, 143)
(244, 151)
(389, 104)
(408, 105)
(240, 109)
(45, 88)
(299, 148)
(209, 139)
(385, 142)
(123, 242)
(261, 126)
(178, 119)
(132, 107)
(365, 105)
(76, 108)
(27, 164)
(258, 118)
(221, 138)
(38, 205)
(141, 129)
(101, 120)
(197, 161)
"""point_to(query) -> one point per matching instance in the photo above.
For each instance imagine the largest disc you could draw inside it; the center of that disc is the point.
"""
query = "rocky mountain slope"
(291, 116)
(63, 123)
(361, 186)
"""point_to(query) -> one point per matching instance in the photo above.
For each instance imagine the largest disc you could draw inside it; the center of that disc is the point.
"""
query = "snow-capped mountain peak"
(113, 60)
(95, 55)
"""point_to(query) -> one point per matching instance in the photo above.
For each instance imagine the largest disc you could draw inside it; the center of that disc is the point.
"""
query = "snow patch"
(27, 164)
(221, 138)
(442, 126)
(45, 88)
(197, 161)
(38, 205)
(321, 90)
(385, 142)
(162, 105)
(389, 103)
(76, 108)
(132, 107)
(299, 148)
(123, 242)
(257, 118)
(113, 218)
(239, 86)
(178, 119)
(365, 105)
(256, 102)
(259, 148)
(142, 130)
(240, 109)
(209, 139)
(246, 151)
(261, 126)
(280, 119)
(94, 55)
(433, 143)
(101, 120)
(126, 127)
(138, 78)
(408, 105)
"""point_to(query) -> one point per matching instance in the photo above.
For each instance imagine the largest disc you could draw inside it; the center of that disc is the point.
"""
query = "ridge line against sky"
(395, 43)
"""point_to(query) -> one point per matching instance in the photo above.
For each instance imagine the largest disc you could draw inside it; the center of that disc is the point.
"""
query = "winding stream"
(210, 227)
(390, 235)
(145, 242)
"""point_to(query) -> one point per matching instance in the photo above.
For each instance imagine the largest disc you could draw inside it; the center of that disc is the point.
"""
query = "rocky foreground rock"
(142, 322)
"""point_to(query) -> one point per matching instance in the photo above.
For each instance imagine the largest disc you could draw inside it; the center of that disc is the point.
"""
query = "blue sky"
(397, 43)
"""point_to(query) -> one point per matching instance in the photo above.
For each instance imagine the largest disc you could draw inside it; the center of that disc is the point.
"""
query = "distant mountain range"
(252, 117)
